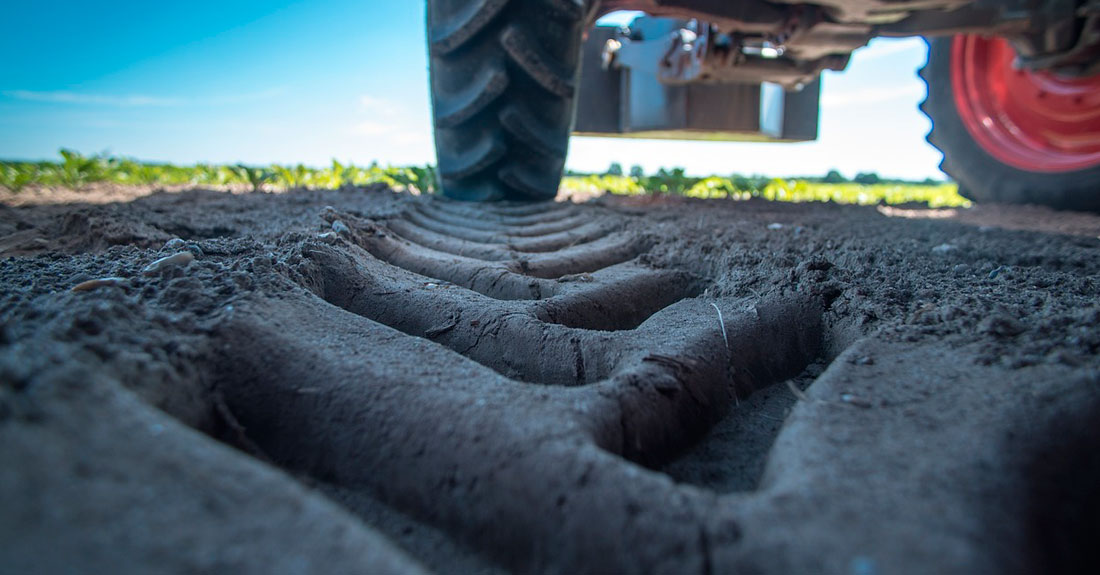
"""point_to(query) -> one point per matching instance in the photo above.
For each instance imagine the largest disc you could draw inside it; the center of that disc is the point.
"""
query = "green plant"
(673, 182)
(714, 187)
(750, 186)
(256, 177)
(131, 172)
(76, 171)
(409, 178)
(425, 179)
(339, 176)
(292, 178)
(16, 177)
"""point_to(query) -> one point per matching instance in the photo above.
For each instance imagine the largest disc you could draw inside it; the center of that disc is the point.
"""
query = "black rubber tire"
(503, 80)
(982, 177)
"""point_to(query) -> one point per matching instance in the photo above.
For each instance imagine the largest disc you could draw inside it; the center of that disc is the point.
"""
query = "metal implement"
(651, 81)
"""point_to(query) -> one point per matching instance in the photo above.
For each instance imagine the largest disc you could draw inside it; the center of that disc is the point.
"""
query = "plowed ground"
(366, 381)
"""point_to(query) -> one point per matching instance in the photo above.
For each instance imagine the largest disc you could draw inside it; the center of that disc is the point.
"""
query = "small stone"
(178, 245)
(174, 244)
(944, 249)
(341, 228)
(775, 226)
(97, 283)
(854, 400)
(175, 260)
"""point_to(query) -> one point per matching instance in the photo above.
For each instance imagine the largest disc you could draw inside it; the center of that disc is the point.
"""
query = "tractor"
(1013, 85)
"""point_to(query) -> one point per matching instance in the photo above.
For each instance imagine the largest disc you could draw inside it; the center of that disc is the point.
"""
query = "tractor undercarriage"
(1013, 86)
(790, 42)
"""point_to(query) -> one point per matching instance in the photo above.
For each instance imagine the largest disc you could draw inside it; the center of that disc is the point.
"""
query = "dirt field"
(366, 381)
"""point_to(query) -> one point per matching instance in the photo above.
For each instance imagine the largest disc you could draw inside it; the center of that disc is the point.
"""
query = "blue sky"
(287, 82)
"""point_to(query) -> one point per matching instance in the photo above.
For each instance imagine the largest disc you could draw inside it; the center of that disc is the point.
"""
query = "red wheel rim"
(1034, 121)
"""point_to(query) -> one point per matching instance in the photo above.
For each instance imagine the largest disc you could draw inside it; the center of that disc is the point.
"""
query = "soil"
(367, 381)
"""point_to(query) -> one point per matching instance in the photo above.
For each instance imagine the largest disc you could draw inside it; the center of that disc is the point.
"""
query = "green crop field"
(936, 195)
(76, 171)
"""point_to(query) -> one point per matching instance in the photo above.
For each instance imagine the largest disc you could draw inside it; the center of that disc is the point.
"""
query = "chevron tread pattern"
(503, 92)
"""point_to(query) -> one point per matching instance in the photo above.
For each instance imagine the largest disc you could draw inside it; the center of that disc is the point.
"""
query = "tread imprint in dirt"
(627, 360)
(603, 303)
(536, 418)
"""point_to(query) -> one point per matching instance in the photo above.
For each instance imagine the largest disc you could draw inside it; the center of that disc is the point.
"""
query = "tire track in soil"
(540, 429)
(629, 366)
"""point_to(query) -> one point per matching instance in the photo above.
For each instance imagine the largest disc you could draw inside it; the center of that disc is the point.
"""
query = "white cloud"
(392, 120)
(405, 134)
(887, 47)
(136, 100)
(370, 128)
(65, 97)
(414, 137)
(380, 106)
(242, 98)
(830, 99)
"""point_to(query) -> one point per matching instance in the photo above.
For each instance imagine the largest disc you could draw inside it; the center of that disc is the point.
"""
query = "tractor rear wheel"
(1012, 135)
(503, 81)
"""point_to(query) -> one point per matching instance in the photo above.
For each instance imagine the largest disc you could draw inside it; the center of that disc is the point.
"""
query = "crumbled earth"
(367, 381)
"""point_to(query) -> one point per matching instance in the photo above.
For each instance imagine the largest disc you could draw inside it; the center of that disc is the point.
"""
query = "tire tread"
(503, 96)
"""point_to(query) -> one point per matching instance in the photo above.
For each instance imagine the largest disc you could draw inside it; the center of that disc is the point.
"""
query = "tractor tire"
(1006, 134)
(504, 78)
